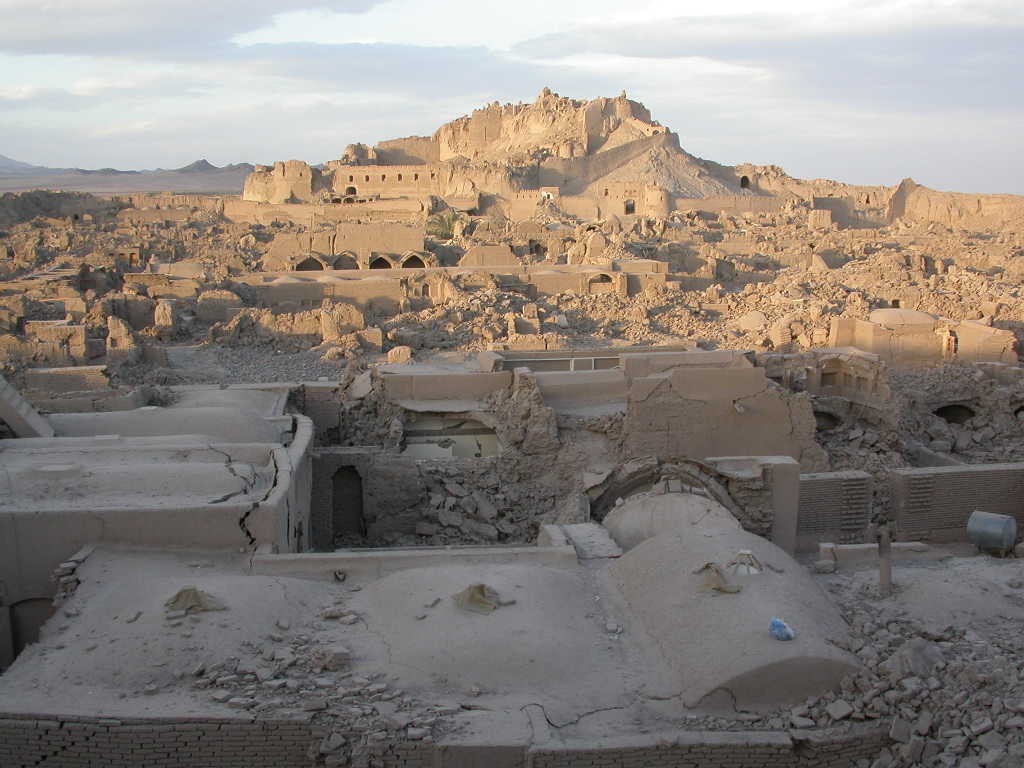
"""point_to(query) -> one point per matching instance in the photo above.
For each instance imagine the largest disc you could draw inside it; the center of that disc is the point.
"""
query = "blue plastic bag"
(780, 630)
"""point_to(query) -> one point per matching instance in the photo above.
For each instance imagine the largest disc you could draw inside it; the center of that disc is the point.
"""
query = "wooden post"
(884, 559)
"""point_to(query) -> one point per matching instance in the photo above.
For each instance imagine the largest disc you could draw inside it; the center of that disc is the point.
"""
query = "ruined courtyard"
(505, 447)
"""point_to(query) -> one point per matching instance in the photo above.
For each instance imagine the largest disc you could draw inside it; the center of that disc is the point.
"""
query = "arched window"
(309, 265)
(744, 182)
(380, 263)
(629, 207)
(413, 262)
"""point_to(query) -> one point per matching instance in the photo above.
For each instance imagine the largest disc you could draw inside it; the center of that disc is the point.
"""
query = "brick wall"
(77, 379)
(935, 502)
(834, 506)
(322, 402)
(26, 740)
(327, 461)
(110, 743)
(720, 749)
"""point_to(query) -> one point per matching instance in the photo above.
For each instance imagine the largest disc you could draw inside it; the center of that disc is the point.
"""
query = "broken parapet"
(768, 488)
(592, 541)
(834, 556)
(361, 564)
(19, 415)
(66, 574)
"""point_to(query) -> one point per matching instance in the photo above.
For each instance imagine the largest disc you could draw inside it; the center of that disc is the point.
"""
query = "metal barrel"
(991, 532)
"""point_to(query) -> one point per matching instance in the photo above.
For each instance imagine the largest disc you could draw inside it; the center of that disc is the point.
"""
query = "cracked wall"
(696, 412)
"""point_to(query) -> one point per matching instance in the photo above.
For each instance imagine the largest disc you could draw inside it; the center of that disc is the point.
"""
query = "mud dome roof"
(543, 645)
(900, 318)
(718, 645)
(642, 517)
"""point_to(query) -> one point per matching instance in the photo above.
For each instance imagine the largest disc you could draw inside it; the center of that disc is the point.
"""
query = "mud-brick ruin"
(507, 447)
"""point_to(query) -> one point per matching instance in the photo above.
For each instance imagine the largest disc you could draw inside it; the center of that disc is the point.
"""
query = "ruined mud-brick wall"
(322, 402)
(754, 500)
(484, 500)
(81, 378)
(459, 500)
(696, 412)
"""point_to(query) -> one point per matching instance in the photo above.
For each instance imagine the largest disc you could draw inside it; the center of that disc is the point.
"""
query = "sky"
(863, 91)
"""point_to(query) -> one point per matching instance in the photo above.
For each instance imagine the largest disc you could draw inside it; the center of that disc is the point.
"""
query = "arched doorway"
(413, 262)
(346, 260)
(629, 207)
(27, 618)
(380, 263)
(601, 284)
(744, 182)
(309, 265)
(351, 191)
(347, 504)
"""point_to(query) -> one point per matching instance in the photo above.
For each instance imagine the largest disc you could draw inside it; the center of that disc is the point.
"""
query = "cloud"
(861, 90)
(926, 65)
(151, 28)
(394, 69)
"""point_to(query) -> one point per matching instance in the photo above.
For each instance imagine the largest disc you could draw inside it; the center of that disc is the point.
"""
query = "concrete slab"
(19, 414)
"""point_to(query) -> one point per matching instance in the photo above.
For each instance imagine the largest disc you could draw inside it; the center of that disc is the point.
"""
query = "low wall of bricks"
(720, 749)
(834, 507)
(240, 743)
(934, 503)
(166, 742)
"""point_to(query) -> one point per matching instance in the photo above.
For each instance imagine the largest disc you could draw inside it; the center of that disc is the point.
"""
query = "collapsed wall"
(913, 202)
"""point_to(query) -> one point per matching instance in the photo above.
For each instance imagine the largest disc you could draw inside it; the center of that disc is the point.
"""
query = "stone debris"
(478, 598)
(716, 579)
(191, 600)
(868, 329)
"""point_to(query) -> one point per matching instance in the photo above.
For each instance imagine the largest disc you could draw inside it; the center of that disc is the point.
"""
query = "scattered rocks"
(333, 657)
(839, 710)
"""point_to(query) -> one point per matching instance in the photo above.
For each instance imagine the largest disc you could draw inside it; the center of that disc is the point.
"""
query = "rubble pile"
(298, 672)
(486, 337)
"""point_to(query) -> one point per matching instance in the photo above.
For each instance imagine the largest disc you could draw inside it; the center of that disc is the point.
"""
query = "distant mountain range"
(199, 177)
